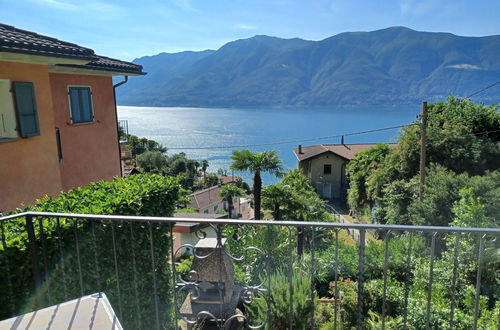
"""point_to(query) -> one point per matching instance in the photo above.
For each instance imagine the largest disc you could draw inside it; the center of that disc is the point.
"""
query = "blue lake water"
(181, 128)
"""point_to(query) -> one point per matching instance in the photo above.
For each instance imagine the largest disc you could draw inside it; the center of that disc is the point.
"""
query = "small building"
(225, 179)
(189, 232)
(325, 166)
(58, 120)
(245, 209)
(207, 201)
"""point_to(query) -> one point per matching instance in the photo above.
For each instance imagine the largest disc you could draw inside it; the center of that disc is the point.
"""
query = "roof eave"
(33, 58)
(92, 70)
(322, 153)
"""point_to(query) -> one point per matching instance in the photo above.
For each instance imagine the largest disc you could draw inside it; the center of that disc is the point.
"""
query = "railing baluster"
(115, 258)
(454, 280)
(361, 275)
(61, 258)
(407, 279)
(386, 262)
(45, 260)
(221, 298)
(96, 257)
(174, 275)
(431, 280)
(313, 274)
(134, 271)
(80, 275)
(37, 278)
(153, 268)
(290, 278)
(478, 279)
(269, 231)
(335, 276)
(8, 273)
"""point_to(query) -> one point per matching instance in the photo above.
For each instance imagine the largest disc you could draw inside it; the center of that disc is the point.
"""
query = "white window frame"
(91, 105)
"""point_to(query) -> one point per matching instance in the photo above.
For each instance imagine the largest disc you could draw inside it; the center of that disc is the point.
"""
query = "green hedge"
(145, 195)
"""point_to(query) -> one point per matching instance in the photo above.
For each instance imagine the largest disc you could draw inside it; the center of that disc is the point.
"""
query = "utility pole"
(423, 144)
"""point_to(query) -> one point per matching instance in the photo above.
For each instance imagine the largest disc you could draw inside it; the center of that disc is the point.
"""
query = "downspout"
(117, 126)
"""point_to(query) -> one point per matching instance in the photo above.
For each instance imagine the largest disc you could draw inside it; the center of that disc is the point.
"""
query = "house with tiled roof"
(325, 166)
(207, 200)
(58, 121)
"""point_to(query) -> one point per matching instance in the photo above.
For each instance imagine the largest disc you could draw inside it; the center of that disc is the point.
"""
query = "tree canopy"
(463, 150)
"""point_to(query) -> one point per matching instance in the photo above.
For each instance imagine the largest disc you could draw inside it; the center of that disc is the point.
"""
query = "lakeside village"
(347, 261)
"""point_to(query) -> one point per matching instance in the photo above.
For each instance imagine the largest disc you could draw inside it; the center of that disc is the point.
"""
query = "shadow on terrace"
(249, 274)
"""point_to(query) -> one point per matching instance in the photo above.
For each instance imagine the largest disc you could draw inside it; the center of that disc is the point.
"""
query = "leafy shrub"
(71, 244)
(279, 302)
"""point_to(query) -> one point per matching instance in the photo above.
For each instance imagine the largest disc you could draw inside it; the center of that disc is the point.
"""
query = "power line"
(483, 89)
(292, 141)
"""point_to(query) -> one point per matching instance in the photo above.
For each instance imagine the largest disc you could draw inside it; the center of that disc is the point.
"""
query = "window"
(23, 97)
(327, 169)
(80, 103)
(7, 113)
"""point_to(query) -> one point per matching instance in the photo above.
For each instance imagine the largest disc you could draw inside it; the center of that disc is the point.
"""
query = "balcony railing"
(251, 274)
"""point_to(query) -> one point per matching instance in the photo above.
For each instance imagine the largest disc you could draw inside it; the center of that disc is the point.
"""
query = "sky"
(128, 29)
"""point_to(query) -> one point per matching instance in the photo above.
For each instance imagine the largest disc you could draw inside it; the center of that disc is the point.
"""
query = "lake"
(179, 129)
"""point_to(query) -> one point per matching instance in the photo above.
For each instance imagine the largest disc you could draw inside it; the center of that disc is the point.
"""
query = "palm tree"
(228, 192)
(274, 197)
(257, 163)
(204, 166)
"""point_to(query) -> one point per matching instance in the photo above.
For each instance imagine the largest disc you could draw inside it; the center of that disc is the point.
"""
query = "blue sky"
(128, 29)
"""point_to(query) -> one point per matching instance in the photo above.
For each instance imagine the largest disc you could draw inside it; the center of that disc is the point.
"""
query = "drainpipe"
(116, 121)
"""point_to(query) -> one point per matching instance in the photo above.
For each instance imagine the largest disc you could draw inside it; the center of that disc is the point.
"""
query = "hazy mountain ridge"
(390, 66)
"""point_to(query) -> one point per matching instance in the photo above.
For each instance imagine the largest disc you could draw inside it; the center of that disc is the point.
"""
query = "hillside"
(396, 65)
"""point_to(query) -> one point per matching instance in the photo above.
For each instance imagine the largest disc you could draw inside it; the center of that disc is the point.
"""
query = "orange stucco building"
(58, 125)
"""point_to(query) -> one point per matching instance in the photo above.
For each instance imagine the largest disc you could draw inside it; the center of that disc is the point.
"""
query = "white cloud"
(94, 6)
(338, 6)
(244, 27)
(185, 5)
(418, 7)
(58, 4)
(464, 66)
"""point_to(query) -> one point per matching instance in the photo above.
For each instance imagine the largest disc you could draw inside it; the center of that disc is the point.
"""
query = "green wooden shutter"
(24, 95)
(81, 105)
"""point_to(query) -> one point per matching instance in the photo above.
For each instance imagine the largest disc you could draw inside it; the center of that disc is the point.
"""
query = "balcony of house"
(66, 269)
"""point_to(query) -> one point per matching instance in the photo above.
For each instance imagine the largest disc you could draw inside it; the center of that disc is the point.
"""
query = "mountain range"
(396, 65)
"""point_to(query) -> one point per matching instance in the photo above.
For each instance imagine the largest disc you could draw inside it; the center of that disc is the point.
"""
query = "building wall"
(213, 207)
(90, 151)
(319, 180)
(29, 168)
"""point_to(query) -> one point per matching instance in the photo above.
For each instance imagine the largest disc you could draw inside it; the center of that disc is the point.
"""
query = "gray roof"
(16, 40)
(109, 64)
(21, 41)
(205, 197)
(346, 151)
